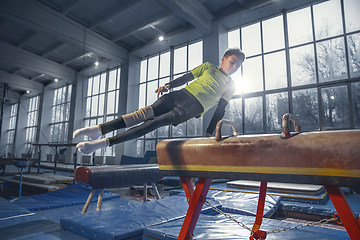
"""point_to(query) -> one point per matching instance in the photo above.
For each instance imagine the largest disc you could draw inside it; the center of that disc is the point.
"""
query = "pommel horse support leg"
(329, 158)
(100, 177)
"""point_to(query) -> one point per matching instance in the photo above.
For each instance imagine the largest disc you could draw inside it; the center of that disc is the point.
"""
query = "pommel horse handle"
(285, 125)
(219, 125)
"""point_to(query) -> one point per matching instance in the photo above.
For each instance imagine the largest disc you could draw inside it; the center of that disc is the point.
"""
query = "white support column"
(20, 127)
(70, 150)
(132, 103)
(46, 120)
(5, 127)
(214, 47)
(79, 108)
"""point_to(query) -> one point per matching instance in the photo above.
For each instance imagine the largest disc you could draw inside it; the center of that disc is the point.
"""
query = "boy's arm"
(218, 115)
(195, 73)
(181, 80)
(175, 83)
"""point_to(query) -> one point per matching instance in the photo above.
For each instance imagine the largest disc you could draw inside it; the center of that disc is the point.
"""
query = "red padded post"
(195, 205)
(188, 187)
(260, 207)
(344, 210)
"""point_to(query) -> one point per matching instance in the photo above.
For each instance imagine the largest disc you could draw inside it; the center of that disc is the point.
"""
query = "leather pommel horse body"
(330, 158)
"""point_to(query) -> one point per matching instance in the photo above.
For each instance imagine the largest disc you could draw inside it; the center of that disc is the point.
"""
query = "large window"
(102, 102)
(156, 71)
(59, 126)
(11, 130)
(305, 61)
(32, 123)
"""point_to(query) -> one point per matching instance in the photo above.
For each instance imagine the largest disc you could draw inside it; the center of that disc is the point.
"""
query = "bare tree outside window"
(305, 108)
(356, 102)
(302, 62)
(331, 60)
(354, 54)
(253, 115)
(335, 107)
(235, 113)
(276, 106)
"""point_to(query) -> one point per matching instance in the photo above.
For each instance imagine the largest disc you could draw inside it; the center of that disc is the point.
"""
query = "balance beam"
(100, 177)
(330, 158)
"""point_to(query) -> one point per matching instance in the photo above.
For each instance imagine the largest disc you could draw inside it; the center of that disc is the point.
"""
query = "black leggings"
(170, 109)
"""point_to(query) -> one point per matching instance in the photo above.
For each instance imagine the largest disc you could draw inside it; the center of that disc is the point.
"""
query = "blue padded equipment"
(55, 214)
(240, 203)
(128, 222)
(150, 154)
(16, 221)
(321, 197)
(12, 214)
(218, 227)
(71, 195)
(322, 210)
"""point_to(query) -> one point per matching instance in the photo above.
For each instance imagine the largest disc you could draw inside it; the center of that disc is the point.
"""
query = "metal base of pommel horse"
(329, 158)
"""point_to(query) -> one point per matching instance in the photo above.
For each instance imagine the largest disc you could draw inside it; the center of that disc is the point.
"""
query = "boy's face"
(230, 64)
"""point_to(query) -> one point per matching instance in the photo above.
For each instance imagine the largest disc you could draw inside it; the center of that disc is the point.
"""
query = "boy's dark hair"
(234, 51)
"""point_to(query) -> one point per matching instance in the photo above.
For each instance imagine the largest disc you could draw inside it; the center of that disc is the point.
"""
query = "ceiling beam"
(52, 49)
(139, 38)
(93, 66)
(79, 56)
(114, 13)
(17, 71)
(42, 19)
(23, 59)
(21, 83)
(158, 30)
(136, 28)
(193, 12)
(70, 7)
(27, 39)
(251, 5)
(1, 22)
(37, 76)
(170, 39)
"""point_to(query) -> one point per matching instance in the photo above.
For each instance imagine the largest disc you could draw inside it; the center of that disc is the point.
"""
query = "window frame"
(346, 81)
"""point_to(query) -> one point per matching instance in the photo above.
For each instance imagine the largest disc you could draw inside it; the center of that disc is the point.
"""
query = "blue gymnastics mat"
(71, 195)
(58, 235)
(12, 214)
(56, 214)
(16, 221)
(321, 196)
(220, 228)
(321, 210)
(240, 203)
(128, 222)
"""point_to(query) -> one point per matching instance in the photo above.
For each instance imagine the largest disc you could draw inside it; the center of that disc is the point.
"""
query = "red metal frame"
(260, 207)
(196, 199)
(345, 212)
(188, 187)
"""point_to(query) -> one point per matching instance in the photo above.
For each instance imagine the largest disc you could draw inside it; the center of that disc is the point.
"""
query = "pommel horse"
(329, 158)
(100, 177)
